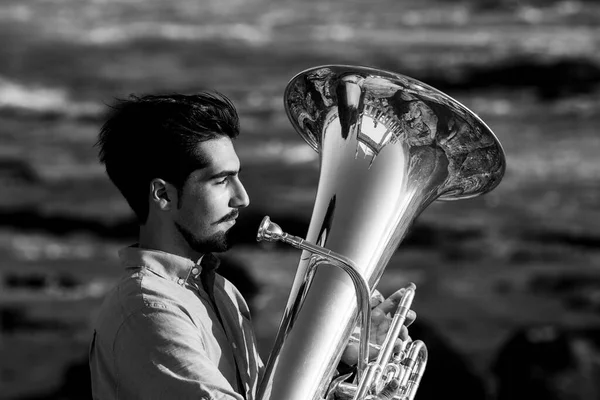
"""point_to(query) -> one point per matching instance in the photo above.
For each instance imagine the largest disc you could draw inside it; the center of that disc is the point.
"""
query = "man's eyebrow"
(225, 173)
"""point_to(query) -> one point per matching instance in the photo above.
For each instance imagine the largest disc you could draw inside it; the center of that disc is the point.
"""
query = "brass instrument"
(389, 145)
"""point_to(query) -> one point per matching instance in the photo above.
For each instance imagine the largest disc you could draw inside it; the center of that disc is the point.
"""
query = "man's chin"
(217, 243)
(220, 247)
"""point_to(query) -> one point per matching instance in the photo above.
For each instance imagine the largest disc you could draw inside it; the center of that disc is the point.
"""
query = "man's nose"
(240, 198)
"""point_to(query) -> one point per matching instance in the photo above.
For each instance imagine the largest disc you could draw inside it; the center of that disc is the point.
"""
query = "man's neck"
(156, 239)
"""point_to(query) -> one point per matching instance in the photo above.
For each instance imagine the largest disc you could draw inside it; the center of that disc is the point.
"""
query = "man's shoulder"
(135, 292)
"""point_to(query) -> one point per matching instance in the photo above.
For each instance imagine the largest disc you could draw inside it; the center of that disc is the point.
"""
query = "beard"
(217, 243)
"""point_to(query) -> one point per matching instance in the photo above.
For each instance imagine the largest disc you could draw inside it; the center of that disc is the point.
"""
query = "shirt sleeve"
(159, 355)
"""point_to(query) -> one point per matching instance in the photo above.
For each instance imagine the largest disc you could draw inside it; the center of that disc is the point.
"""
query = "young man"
(172, 328)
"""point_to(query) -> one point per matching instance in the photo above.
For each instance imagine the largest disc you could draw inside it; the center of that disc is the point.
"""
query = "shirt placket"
(207, 279)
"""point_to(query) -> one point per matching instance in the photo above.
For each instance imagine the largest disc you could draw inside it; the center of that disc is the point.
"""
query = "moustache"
(232, 215)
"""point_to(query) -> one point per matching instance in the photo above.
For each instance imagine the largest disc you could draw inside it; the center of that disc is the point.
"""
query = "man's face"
(210, 198)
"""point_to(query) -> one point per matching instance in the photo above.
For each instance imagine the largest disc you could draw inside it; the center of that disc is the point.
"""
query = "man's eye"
(222, 182)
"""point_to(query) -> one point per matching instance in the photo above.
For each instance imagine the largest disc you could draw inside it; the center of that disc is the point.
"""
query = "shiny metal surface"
(405, 364)
(271, 232)
(389, 145)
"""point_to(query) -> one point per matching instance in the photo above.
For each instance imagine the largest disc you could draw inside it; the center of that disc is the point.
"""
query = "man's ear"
(163, 194)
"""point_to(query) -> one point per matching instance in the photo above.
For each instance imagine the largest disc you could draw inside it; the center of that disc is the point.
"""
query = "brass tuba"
(389, 145)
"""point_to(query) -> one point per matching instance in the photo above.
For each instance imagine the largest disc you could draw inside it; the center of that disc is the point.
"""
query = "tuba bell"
(388, 145)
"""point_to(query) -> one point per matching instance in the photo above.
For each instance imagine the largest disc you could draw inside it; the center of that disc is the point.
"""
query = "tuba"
(389, 145)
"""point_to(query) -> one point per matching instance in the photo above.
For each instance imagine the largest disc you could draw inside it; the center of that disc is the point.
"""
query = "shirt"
(158, 334)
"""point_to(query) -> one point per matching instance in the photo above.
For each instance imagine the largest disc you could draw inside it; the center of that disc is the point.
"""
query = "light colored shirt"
(158, 334)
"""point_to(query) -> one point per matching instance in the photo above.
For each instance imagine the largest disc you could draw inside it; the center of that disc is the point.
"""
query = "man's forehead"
(217, 155)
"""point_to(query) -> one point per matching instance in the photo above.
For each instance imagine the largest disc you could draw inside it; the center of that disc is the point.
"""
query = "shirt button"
(181, 281)
(234, 345)
(195, 271)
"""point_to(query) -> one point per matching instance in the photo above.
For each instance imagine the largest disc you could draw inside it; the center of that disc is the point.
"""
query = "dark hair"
(156, 136)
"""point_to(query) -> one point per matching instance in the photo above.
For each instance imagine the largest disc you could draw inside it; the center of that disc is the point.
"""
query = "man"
(172, 328)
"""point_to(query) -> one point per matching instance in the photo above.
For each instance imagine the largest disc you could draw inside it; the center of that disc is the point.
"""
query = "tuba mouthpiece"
(268, 230)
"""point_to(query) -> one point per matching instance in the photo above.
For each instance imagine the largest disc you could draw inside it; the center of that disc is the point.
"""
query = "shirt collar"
(169, 266)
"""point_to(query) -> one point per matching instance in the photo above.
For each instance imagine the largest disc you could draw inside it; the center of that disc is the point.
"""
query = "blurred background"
(509, 283)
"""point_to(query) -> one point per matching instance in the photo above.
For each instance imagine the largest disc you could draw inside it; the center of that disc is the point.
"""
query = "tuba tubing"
(368, 376)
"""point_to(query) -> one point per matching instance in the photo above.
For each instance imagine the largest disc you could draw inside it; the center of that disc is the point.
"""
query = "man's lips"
(229, 218)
